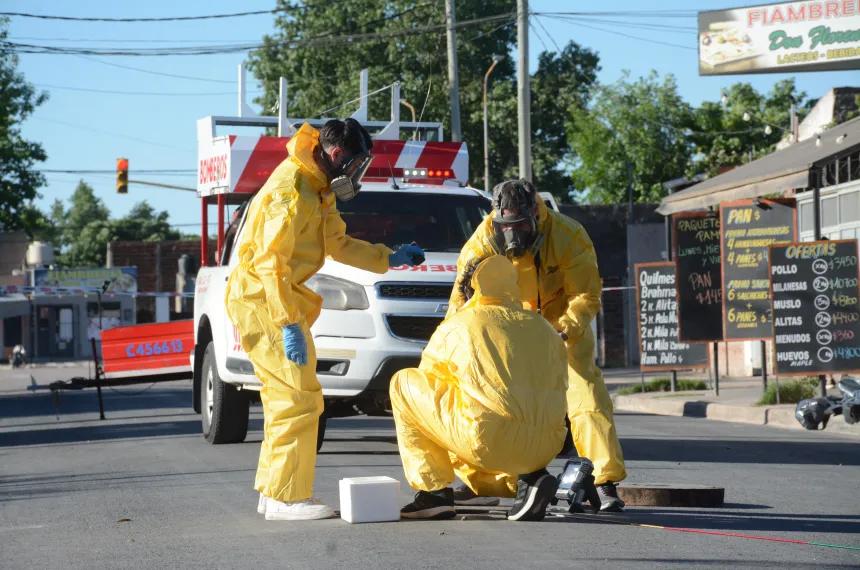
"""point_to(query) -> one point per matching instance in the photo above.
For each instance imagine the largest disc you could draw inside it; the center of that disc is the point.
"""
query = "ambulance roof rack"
(380, 130)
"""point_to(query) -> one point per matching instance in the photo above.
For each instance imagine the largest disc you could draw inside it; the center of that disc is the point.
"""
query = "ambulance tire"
(224, 408)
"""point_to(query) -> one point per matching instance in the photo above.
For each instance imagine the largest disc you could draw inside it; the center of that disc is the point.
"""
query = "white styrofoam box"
(369, 499)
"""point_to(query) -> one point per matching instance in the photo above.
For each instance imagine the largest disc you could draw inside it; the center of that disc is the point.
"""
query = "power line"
(147, 93)
(640, 38)
(320, 40)
(122, 40)
(160, 51)
(633, 24)
(150, 72)
(671, 13)
(537, 34)
(634, 13)
(539, 20)
(101, 132)
(126, 20)
(106, 171)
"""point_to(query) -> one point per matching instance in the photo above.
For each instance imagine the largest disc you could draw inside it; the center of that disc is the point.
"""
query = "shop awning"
(14, 306)
(779, 171)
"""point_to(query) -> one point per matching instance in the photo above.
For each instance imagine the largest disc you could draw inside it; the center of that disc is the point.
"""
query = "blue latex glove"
(295, 346)
(411, 255)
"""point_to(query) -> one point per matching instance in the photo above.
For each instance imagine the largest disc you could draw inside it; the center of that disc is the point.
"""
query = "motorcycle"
(815, 412)
(19, 356)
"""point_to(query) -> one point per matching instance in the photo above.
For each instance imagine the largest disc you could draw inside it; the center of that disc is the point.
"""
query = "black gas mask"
(347, 180)
(515, 217)
(515, 234)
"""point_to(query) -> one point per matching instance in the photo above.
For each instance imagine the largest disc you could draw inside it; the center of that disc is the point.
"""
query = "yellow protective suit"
(488, 397)
(564, 285)
(291, 226)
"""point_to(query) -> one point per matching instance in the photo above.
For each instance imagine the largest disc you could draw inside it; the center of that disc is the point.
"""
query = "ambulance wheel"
(224, 408)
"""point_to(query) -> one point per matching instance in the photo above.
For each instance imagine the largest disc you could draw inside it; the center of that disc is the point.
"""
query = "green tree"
(19, 180)
(143, 223)
(85, 228)
(322, 75)
(631, 130)
(561, 84)
(734, 131)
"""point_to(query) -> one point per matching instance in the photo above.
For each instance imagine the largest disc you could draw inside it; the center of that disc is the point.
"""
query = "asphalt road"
(142, 489)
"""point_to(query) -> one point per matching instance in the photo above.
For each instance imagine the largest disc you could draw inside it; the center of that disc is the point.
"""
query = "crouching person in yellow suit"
(558, 278)
(488, 399)
(291, 226)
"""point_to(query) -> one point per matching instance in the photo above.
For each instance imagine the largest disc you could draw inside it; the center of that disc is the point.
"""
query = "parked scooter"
(19, 356)
(815, 412)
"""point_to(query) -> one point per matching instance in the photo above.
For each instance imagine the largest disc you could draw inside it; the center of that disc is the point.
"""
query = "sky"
(87, 130)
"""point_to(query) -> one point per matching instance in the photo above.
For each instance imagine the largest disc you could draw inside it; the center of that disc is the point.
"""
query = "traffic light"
(122, 176)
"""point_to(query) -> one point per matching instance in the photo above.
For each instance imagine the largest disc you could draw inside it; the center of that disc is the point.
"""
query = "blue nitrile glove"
(295, 346)
(411, 255)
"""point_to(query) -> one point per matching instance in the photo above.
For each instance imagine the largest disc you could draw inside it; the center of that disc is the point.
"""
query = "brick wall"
(157, 264)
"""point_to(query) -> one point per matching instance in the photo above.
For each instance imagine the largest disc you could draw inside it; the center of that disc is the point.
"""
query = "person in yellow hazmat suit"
(558, 277)
(486, 400)
(291, 226)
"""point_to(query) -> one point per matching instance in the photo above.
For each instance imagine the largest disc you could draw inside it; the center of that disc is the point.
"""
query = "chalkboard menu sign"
(747, 229)
(659, 347)
(696, 239)
(816, 317)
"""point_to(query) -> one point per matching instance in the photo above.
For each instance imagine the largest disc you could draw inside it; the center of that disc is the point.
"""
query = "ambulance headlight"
(338, 294)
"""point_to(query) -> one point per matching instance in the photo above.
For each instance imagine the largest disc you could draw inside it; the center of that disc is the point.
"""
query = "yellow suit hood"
(495, 283)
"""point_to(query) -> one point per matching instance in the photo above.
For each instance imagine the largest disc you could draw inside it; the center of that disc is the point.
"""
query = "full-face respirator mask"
(347, 183)
(514, 219)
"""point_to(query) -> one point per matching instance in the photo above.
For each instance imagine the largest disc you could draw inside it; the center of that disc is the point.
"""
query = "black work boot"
(534, 493)
(466, 497)
(609, 500)
(431, 505)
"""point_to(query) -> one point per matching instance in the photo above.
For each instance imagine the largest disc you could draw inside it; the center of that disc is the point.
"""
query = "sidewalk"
(736, 403)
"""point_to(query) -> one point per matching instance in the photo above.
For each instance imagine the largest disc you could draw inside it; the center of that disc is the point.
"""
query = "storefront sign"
(696, 239)
(748, 228)
(779, 38)
(121, 280)
(816, 326)
(659, 347)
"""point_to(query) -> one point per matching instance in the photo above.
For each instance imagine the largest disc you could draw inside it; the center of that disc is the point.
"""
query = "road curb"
(781, 417)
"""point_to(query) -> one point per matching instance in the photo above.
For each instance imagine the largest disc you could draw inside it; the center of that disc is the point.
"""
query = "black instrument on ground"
(576, 486)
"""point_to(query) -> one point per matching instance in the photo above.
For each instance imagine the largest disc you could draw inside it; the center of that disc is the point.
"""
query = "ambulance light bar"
(410, 173)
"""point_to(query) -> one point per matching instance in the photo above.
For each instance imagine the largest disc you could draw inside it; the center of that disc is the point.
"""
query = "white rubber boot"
(261, 504)
(309, 509)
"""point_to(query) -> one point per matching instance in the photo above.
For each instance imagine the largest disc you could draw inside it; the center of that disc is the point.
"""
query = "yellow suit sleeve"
(475, 250)
(351, 251)
(582, 285)
(276, 238)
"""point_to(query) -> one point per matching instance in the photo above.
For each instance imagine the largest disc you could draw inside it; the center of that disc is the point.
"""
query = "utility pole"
(453, 75)
(524, 91)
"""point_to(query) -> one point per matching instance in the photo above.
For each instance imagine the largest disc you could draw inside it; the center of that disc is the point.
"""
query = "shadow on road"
(692, 562)
(86, 401)
(732, 522)
(13, 488)
(748, 451)
(99, 433)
